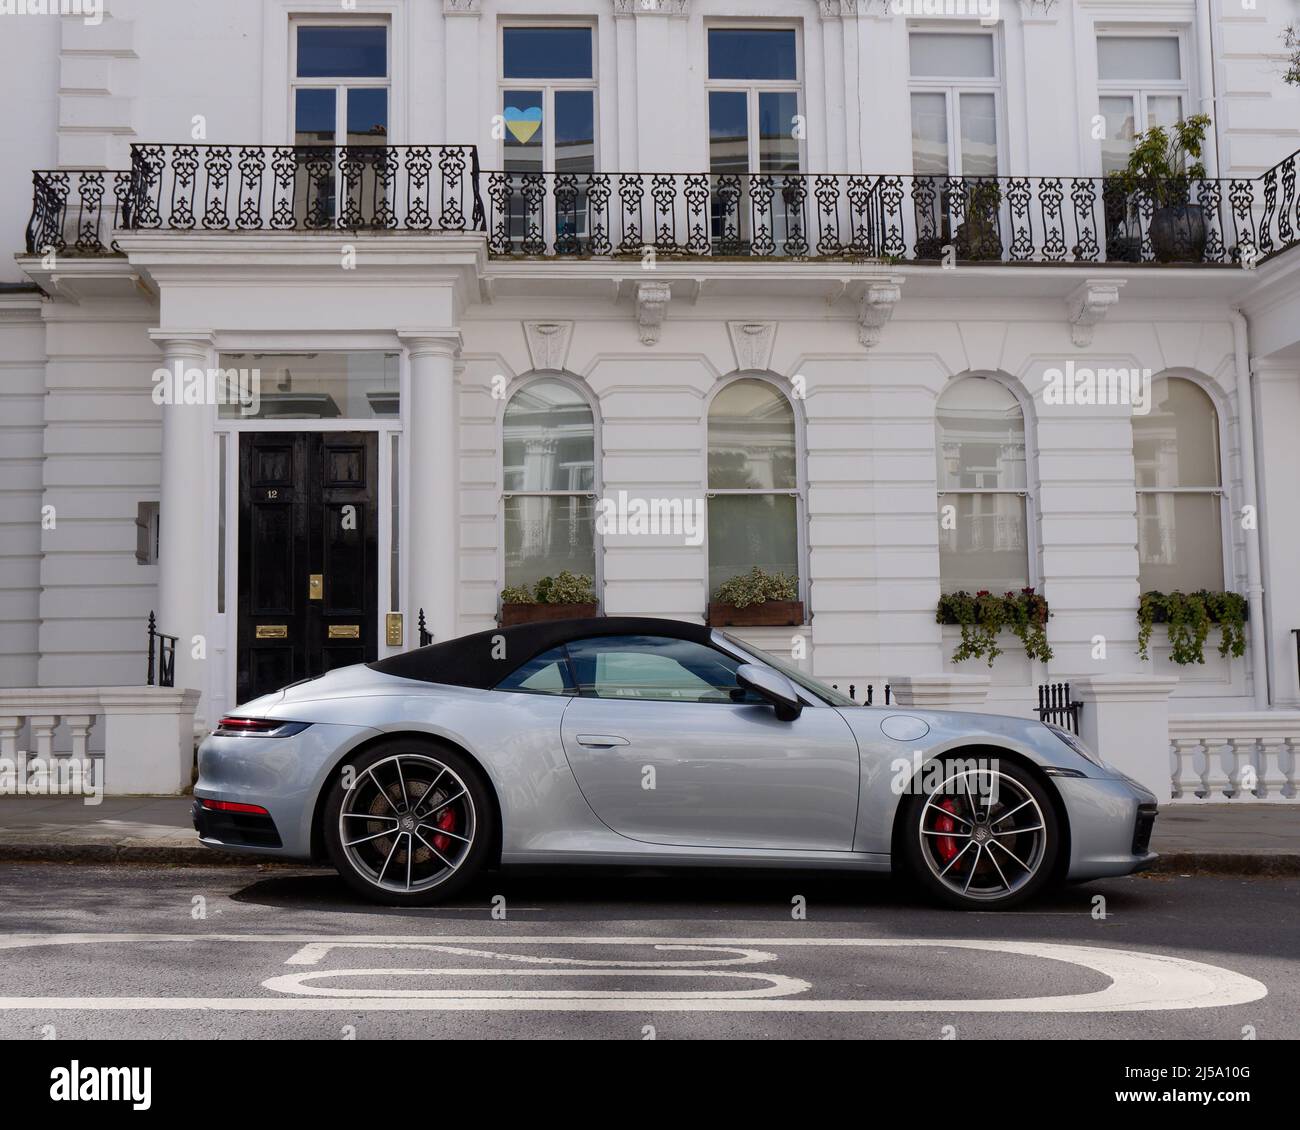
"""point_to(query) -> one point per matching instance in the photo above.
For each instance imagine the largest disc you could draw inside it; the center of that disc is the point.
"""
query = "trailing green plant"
(983, 616)
(566, 588)
(1190, 617)
(757, 587)
(1291, 41)
(1158, 168)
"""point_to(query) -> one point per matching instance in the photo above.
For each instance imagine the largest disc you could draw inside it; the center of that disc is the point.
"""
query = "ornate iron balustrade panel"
(902, 218)
(296, 188)
(792, 216)
(76, 211)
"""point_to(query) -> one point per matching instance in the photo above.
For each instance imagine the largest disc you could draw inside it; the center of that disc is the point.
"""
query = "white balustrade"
(1237, 758)
(148, 745)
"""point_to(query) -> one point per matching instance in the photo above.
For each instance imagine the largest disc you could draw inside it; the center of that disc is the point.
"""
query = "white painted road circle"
(1138, 981)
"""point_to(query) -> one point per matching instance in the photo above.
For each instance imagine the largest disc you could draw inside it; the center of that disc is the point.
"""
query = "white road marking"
(773, 984)
(1139, 982)
(313, 952)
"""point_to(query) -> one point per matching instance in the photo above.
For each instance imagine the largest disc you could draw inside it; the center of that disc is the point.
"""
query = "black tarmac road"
(262, 952)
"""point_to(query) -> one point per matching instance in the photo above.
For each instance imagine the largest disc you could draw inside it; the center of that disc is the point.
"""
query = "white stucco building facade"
(725, 251)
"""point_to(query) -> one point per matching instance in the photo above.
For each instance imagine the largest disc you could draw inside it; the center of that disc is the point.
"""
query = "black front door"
(308, 553)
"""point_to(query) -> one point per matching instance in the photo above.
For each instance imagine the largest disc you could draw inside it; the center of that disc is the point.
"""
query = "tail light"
(232, 806)
(233, 726)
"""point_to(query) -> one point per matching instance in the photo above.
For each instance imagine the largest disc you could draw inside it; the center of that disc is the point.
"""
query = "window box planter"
(767, 614)
(512, 614)
(1189, 617)
(983, 616)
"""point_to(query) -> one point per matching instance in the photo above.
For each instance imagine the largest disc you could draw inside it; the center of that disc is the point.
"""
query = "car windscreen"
(791, 672)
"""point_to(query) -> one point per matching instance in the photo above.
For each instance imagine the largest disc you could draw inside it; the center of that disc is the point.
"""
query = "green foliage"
(1190, 616)
(983, 616)
(1158, 167)
(756, 587)
(567, 588)
(1291, 40)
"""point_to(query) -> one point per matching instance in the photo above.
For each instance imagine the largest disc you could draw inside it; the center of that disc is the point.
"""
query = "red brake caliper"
(447, 822)
(946, 846)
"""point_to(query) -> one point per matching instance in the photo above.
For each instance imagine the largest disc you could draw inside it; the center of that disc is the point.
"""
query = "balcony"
(881, 218)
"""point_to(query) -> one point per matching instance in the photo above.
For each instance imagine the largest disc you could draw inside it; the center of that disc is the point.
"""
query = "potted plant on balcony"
(757, 599)
(563, 597)
(1159, 173)
(979, 235)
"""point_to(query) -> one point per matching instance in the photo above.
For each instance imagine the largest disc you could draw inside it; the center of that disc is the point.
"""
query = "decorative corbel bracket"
(652, 300)
(1089, 304)
(877, 307)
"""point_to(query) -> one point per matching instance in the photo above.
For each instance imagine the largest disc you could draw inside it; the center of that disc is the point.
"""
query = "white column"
(431, 416)
(183, 572)
(1125, 719)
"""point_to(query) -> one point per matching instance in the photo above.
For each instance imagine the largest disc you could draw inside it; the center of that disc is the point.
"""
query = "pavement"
(140, 951)
(1229, 839)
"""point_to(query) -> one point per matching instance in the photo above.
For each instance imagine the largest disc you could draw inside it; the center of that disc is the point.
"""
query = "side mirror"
(771, 686)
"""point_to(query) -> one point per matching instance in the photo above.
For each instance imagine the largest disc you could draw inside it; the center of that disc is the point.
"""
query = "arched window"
(1179, 485)
(549, 455)
(753, 482)
(983, 488)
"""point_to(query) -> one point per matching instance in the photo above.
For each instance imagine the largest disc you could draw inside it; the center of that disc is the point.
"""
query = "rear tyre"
(980, 835)
(409, 822)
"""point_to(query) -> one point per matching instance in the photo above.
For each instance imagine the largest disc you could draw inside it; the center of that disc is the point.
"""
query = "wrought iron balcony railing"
(433, 189)
(275, 188)
(77, 210)
(889, 218)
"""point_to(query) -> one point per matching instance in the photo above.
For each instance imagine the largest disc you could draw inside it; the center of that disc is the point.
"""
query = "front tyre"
(409, 822)
(984, 837)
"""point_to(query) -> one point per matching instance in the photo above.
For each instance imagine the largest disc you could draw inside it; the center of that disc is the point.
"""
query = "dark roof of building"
(485, 658)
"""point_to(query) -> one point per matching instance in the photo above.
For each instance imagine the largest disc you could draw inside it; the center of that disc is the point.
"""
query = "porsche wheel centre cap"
(407, 823)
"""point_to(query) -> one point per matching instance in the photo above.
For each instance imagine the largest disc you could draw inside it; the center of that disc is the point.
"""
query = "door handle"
(601, 741)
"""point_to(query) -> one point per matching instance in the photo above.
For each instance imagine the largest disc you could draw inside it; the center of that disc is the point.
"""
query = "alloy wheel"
(983, 835)
(407, 824)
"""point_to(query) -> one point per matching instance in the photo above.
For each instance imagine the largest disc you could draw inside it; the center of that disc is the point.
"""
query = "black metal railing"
(1056, 706)
(854, 217)
(426, 636)
(162, 657)
(293, 188)
(888, 218)
(77, 210)
(870, 693)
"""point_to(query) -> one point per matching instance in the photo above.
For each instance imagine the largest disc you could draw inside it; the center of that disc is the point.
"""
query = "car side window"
(655, 668)
(547, 673)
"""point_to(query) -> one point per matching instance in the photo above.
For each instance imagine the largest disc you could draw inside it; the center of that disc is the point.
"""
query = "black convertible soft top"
(485, 658)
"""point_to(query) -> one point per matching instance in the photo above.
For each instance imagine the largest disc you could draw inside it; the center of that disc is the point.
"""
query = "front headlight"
(1076, 744)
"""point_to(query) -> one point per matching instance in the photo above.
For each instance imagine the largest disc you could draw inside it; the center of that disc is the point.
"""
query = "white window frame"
(1227, 570)
(597, 542)
(1033, 542)
(1140, 92)
(800, 491)
(549, 87)
(752, 88)
(339, 86)
(954, 87)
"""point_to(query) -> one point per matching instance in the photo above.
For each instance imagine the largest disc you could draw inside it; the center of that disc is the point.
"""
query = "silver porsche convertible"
(651, 742)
